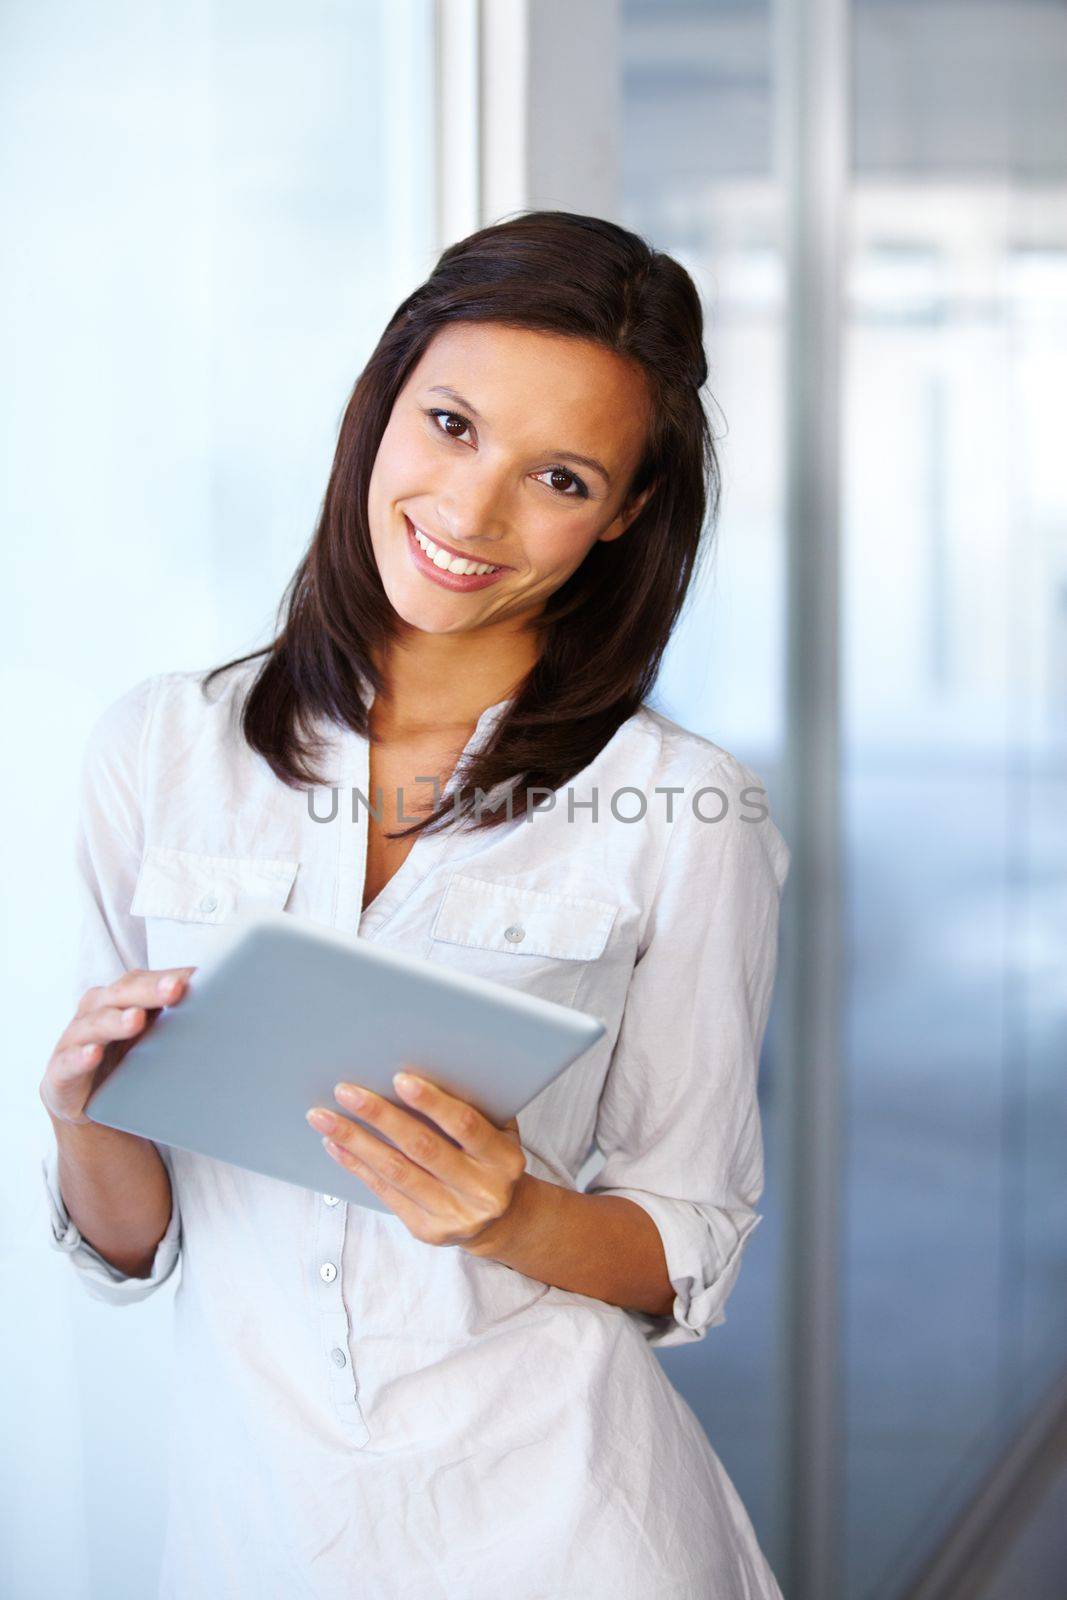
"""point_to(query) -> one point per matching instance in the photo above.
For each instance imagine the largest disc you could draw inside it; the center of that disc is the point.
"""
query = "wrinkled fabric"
(414, 1422)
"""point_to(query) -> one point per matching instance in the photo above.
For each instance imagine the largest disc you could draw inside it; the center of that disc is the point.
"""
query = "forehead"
(531, 386)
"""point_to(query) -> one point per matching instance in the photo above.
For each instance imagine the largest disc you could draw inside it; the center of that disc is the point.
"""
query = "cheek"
(400, 460)
(383, 473)
(560, 550)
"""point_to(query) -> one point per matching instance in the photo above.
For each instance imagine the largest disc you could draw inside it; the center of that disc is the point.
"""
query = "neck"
(446, 681)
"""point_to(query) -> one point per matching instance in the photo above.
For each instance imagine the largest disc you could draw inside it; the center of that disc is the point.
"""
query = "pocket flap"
(191, 887)
(530, 922)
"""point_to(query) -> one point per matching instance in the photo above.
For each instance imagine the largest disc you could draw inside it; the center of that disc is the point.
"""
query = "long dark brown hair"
(602, 634)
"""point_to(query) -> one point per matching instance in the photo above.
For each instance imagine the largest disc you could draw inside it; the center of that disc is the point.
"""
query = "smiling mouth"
(451, 561)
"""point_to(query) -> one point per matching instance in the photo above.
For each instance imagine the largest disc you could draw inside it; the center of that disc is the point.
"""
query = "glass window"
(954, 554)
(696, 152)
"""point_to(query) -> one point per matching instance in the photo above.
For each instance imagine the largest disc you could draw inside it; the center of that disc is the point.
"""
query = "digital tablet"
(284, 1009)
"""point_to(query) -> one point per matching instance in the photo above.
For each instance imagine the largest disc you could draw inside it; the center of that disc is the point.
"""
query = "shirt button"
(514, 933)
(209, 903)
(331, 1199)
(338, 1357)
(327, 1272)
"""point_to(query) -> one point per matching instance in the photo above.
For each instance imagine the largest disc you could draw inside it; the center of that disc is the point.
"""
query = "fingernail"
(130, 1013)
(322, 1120)
(350, 1094)
(407, 1084)
(167, 985)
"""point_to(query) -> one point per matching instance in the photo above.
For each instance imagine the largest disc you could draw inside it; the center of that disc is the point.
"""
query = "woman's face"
(490, 470)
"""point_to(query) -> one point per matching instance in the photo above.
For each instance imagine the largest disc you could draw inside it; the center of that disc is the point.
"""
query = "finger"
(74, 1064)
(409, 1133)
(70, 1071)
(90, 1000)
(105, 1024)
(150, 989)
(74, 1059)
(407, 1189)
(419, 1222)
(480, 1138)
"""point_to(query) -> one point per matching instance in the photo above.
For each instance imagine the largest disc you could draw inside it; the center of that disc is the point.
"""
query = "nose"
(472, 516)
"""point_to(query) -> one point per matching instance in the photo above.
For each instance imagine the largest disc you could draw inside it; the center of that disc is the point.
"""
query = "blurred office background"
(212, 211)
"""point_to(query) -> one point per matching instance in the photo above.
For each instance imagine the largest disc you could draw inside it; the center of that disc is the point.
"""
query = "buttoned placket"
(332, 1213)
(333, 1318)
(353, 755)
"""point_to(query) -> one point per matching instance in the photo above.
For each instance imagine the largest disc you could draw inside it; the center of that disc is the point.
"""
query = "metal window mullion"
(458, 82)
(813, 73)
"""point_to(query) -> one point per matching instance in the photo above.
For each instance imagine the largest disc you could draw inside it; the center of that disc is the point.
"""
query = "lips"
(455, 581)
(450, 550)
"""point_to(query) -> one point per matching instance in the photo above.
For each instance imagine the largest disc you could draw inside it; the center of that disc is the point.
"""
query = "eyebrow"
(570, 455)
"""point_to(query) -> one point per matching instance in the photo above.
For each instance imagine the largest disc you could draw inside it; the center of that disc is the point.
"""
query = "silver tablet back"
(285, 1009)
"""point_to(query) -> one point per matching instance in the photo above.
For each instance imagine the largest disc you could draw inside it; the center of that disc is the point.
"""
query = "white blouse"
(358, 1412)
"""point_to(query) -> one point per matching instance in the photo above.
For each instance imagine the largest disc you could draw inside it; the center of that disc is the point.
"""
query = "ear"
(631, 510)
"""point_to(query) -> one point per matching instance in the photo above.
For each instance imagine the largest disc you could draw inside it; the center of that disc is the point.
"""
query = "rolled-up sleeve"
(678, 1122)
(107, 853)
(98, 1277)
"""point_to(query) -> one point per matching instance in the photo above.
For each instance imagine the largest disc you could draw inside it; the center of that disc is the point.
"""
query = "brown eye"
(573, 489)
(450, 416)
(579, 490)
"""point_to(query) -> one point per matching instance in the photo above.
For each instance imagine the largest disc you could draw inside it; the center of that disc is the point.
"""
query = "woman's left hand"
(442, 1194)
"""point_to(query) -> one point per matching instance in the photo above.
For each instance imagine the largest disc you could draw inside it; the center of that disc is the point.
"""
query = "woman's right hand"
(109, 1019)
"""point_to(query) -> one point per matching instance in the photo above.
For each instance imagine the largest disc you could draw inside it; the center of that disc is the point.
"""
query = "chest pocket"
(527, 938)
(186, 897)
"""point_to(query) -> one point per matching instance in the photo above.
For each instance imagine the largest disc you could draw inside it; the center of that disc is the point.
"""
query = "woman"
(456, 1396)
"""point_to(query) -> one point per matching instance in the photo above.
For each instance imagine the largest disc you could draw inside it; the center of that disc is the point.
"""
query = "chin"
(426, 618)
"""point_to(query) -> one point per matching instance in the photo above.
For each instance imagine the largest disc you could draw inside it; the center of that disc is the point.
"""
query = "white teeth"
(447, 563)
